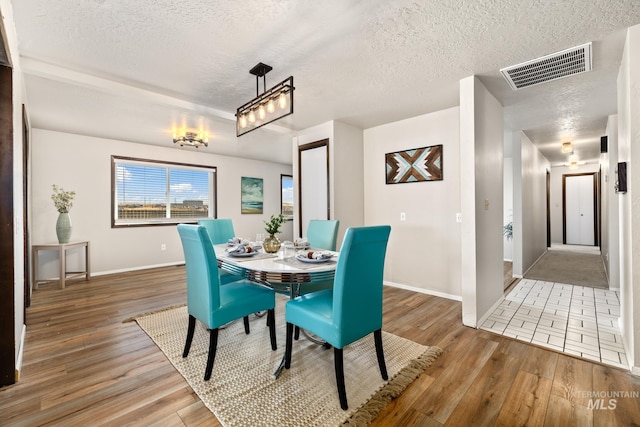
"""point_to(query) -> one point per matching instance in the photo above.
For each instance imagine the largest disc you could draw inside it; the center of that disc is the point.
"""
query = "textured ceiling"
(133, 69)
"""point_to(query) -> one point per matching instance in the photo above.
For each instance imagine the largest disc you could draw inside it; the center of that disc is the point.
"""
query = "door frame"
(311, 146)
(596, 217)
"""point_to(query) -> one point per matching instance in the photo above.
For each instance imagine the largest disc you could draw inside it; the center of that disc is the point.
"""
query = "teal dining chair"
(353, 308)
(220, 231)
(216, 305)
(322, 234)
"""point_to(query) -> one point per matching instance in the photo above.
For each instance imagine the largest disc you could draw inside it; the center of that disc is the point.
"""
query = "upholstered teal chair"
(220, 231)
(216, 305)
(322, 234)
(353, 308)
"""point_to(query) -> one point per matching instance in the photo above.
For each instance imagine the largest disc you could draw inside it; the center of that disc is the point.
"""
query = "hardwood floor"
(83, 366)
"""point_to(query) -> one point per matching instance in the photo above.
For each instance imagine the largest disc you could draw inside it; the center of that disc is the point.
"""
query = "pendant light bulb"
(271, 106)
(282, 100)
(252, 117)
(261, 112)
(243, 121)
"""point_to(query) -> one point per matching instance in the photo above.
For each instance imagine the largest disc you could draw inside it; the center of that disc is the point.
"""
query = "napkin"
(243, 249)
(301, 242)
(314, 254)
(238, 241)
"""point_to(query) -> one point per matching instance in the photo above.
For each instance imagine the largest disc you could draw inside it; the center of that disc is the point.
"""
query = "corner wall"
(629, 222)
(481, 172)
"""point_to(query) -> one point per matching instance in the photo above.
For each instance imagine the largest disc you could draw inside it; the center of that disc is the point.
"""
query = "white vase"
(63, 227)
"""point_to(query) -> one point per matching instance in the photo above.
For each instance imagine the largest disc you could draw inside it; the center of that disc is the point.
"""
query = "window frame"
(213, 202)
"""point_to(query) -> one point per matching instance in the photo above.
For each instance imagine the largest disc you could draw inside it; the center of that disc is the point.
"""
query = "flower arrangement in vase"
(271, 243)
(63, 200)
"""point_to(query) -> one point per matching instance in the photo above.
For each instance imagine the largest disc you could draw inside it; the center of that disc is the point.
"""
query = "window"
(286, 197)
(147, 192)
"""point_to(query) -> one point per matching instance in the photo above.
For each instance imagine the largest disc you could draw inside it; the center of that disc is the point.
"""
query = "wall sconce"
(567, 147)
(271, 105)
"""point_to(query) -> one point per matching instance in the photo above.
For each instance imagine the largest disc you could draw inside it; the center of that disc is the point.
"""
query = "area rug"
(572, 268)
(242, 390)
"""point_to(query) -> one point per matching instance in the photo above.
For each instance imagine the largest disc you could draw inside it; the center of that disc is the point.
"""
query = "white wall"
(532, 220)
(83, 164)
(19, 98)
(481, 163)
(629, 218)
(556, 195)
(424, 250)
(611, 240)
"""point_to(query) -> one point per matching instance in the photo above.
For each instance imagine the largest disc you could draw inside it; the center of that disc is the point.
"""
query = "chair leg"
(342, 392)
(271, 321)
(377, 335)
(288, 345)
(213, 345)
(297, 334)
(190, 330)
(246, 325)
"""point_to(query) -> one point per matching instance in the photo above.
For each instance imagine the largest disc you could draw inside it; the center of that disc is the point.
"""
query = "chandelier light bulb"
(271, 106)
(261, 112)
(252, 117)
(243, 121)
(282, 100)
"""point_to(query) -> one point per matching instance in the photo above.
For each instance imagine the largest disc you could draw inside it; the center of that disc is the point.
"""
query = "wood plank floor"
(83, 366)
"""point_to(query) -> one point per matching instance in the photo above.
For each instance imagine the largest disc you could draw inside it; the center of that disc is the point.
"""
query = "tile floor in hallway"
(572, 319)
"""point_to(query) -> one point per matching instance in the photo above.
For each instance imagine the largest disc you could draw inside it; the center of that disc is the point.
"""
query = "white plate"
(243, 255)
(312, 261)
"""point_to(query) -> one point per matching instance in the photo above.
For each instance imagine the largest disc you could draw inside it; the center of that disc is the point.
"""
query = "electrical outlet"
(163, 247)
(458, 217)
(403, 216)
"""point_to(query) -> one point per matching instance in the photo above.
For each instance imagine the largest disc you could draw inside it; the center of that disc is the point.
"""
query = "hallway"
(576, 320)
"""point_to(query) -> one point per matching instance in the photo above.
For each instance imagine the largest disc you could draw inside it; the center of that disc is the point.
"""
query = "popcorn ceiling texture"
(363, 62)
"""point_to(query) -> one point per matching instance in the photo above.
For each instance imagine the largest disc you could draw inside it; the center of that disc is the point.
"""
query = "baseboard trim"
(146, 267)
(424, 291)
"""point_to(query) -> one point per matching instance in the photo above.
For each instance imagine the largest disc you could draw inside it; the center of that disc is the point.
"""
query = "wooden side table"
(62, 249)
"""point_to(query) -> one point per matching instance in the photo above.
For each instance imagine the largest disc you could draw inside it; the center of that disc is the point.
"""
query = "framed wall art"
(415, 165)
(251, 195)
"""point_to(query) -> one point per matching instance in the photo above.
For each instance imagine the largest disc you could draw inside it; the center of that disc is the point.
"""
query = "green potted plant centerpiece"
(271, 243)
(63, 200)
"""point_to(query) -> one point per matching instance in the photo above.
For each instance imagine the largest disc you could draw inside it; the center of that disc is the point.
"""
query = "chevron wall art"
(416, 165)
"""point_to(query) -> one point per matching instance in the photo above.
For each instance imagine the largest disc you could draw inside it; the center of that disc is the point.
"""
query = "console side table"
(62, 249)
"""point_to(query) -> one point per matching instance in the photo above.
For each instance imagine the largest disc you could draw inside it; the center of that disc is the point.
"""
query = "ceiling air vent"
(575, 60)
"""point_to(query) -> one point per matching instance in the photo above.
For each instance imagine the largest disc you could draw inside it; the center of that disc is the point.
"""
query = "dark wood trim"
(548, 208)
(175, 222)
(7, 277)
(595, 205)
(25, 209)
(301, 148)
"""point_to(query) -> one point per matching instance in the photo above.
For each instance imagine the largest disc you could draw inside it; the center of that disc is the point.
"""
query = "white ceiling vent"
(571, 61)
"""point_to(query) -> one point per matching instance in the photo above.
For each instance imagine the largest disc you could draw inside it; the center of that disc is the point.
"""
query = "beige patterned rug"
(243, 392)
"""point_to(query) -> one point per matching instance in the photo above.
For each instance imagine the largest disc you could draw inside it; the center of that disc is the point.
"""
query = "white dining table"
(288, 275)
(285, 275)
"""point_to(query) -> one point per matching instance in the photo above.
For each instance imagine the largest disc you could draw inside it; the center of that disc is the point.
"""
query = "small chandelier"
(271, 105)
(191, 139)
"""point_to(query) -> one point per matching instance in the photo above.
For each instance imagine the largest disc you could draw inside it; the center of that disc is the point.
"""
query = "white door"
(579, 210)
(314, 184)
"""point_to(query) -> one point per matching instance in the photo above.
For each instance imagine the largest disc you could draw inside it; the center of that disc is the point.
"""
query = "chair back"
(203, 285)
(357, 287)
(322, 234)
(220, 229)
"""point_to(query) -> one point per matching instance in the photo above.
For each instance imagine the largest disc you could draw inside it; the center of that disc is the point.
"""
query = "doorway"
(313, 186)
(579, 209)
